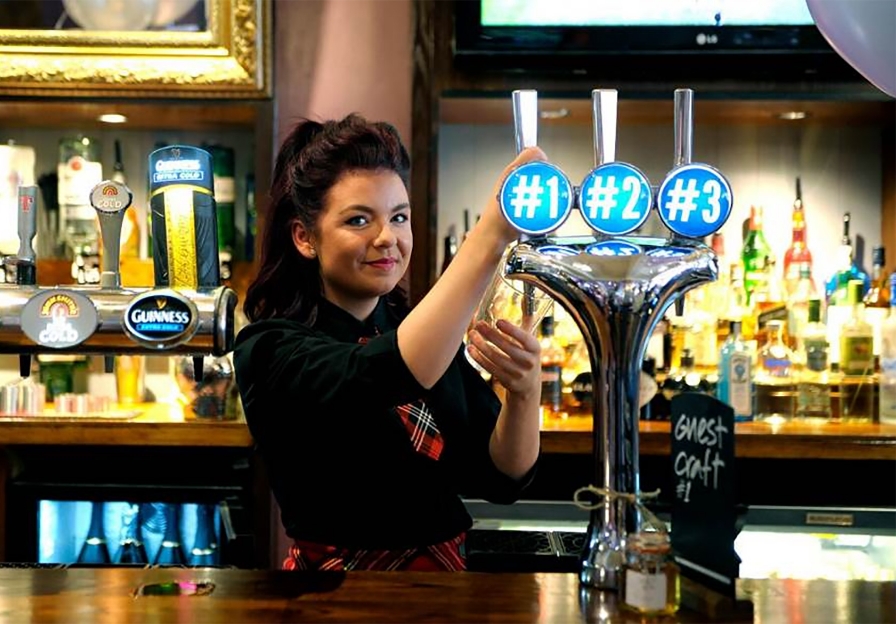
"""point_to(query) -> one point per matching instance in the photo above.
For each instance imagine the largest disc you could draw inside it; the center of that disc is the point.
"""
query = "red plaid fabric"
(443, 557)
(421, 426)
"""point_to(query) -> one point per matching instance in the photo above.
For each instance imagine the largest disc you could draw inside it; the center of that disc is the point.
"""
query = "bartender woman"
(368, 416)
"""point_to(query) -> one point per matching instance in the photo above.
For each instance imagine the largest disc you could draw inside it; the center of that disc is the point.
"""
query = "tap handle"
(525, 118)
(604, 113)
(24, 365)
(684, 126)
(27, 221)
(111, 200)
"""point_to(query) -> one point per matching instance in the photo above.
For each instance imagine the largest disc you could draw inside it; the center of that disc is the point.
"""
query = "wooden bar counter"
(787, 440)
(107, 595)
(158, 424)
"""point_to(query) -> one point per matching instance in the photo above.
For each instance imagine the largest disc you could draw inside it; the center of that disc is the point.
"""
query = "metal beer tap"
(108, 319)
(616, 286)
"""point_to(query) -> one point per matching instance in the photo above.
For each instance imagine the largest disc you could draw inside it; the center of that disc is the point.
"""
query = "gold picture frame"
(231, 59)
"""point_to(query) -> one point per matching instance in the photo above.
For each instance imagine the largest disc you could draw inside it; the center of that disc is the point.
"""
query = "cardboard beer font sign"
(184, 219)
(704, 513)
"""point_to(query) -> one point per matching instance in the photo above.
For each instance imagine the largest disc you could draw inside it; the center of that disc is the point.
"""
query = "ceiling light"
(556, 113)
(112, 118)
(793, 115)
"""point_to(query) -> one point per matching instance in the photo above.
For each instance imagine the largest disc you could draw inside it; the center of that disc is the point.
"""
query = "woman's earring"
(312, 252)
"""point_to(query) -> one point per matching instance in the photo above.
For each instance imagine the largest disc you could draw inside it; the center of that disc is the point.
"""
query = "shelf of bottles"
(126, 533)
(773, 339)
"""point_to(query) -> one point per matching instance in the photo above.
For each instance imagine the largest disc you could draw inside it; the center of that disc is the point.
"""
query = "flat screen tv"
(647, 39)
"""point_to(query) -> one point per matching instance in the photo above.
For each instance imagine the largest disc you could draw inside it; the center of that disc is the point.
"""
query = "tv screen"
(646, 39)
(645, 13)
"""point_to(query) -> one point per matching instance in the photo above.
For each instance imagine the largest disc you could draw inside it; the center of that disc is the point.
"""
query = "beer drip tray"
(523, 551)
(51, 415)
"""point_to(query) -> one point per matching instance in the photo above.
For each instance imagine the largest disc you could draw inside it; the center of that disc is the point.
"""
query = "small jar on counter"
(650, 579)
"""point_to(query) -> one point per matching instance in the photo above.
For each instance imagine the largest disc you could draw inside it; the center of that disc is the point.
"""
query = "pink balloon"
(863, 32)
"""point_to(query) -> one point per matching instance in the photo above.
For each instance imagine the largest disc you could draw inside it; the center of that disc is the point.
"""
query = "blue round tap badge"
(695, 200)
(670, 252)
(613, 248)
(536, 198)
(615, 198)
(557, 250)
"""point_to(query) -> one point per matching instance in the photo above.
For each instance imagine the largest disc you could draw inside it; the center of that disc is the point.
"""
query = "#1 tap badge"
(59, 318)
(536, 198)
(161, 319)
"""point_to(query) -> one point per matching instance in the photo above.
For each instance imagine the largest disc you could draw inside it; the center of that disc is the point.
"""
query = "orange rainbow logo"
(110, 190)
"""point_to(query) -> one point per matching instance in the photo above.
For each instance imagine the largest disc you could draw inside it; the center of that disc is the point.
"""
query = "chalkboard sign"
(704, 514)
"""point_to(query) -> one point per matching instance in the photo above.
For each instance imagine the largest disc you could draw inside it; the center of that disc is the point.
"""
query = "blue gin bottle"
(735, 385)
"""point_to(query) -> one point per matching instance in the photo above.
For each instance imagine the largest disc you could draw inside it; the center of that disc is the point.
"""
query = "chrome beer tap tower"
(172, 318)
(615, 285)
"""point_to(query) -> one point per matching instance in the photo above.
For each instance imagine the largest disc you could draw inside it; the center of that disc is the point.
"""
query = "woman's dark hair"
(311, 160)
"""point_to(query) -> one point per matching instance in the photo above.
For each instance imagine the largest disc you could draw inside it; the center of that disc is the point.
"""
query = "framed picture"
(136, 48)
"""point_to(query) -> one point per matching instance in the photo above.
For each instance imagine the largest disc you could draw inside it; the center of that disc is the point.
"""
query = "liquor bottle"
(774, 379)
(877, 299)
(94, 549)
(887, 390)
(225, 195)
(813, 387)
(836, 286)
(701, 326)
(79, 170)
(686, 378)
(450, 248)
(856, 336)
(797, 255)
(251, 217)
(798, 306)
(205, 545)
(130, 227)
(552, 357)
(130, 545)
(839, 309)
(170, 552)
(735, 385)
(755, 253)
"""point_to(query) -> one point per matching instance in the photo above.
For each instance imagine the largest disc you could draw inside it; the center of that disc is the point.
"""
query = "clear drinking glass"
(513, 300)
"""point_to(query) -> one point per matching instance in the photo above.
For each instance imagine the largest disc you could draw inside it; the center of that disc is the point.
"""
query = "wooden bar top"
(160, 424)
(786, 440)
(157, 424)
(107, 595)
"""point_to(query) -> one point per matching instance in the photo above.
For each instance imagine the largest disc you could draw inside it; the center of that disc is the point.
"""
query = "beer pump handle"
(604, 113)
(111, 200)
(525, 134)
(525, 118)
(684, 144)
(26, 265)
(684, 126)
(27, 222)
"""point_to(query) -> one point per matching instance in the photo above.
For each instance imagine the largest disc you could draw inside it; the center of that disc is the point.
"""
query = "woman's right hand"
(492, 217)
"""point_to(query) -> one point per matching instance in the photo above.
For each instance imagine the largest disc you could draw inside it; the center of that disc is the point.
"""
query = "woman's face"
(363, 239)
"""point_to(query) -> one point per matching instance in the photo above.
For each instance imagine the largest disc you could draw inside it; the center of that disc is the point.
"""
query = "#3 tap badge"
(536, 198)
(695, 200)
(59, 318)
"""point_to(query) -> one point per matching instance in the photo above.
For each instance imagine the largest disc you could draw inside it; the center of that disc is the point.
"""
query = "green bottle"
(755, 253)
(225, 196)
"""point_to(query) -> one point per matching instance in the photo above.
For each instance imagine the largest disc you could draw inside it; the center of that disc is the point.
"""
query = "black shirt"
(320, 407)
